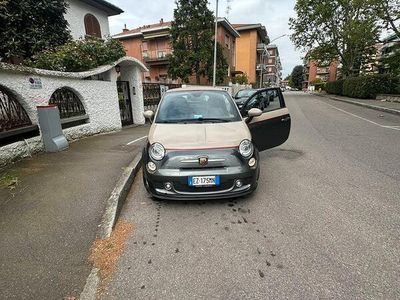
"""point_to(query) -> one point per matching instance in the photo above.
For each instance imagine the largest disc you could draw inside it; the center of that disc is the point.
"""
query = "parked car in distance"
(200, 147)
(243, 96)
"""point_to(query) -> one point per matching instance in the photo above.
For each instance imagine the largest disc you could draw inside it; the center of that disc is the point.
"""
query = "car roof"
(197, 88)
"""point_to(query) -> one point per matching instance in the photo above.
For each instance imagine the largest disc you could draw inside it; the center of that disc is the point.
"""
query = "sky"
(273, 14)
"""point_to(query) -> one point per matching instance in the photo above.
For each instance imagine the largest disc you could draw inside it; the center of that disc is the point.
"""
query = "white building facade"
(90, 18)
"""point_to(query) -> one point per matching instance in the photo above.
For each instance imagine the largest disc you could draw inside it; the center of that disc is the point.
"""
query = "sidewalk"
(49, 220)
(385, 106)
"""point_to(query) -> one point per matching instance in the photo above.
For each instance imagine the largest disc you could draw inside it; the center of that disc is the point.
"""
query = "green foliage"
(338, 29)
(80, 55)
(319, 85)
(222, 66)
(389, 13)
(241, 79)
(192, 33)
(296, 78)
(335, 87)
(391, 63)
(364, 87)
(31, 26)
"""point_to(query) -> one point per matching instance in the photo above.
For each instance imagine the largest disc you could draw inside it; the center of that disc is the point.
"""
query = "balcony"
(261, 67)
(261, 47)
(156, 57)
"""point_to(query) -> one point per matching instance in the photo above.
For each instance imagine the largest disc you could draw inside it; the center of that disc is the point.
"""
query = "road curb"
(379, 108)
(110, 216)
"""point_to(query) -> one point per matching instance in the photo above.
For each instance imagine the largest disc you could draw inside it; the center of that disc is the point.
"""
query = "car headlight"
(157, 151)
(246, 148)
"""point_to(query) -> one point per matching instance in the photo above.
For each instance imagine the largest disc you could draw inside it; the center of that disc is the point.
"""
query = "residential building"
(321, 72)
(251, 51)
(390, 45)
(90, 17)
(151, 44)
(273, 75)
(284, 83)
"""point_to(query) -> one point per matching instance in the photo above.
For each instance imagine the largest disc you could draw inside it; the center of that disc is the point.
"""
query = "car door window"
(274, 100)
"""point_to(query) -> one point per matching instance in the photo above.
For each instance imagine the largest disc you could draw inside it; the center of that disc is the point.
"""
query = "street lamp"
(215, 44)
(266, 54)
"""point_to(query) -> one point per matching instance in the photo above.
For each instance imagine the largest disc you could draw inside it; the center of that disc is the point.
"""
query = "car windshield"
(245, 93)
(197, 107)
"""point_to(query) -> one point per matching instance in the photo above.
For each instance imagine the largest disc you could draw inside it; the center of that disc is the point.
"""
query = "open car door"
(272, 127)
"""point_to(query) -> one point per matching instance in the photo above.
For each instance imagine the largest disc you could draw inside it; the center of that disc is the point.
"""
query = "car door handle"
(285, 119)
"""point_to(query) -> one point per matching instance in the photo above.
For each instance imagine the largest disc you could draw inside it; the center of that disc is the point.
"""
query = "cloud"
(273, 14)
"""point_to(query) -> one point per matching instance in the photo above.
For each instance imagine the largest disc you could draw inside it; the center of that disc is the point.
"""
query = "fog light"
(151, 166)
(168, 186)
(239, 183)
(252, 162)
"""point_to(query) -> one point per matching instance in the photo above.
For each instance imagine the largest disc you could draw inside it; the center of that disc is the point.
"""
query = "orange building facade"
(313, 71)
(151, 44)
(251, 51)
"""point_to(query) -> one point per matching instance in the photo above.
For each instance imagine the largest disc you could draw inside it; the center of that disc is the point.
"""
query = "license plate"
(203, 180)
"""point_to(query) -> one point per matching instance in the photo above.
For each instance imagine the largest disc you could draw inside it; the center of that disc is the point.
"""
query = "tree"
(30, 26)
(345, 30)
(222, 66)
(296, 78)
(241, 79)
(192, 42)
(389, 12)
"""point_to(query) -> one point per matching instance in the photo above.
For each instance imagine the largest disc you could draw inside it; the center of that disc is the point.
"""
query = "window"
(92, 26)
(227, 41)
(68, 103)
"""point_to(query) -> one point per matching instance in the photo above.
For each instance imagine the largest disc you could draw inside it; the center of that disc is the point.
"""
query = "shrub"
(78, 56)
(319, 85)
(367, 87)
(335, 87)
(240, 79)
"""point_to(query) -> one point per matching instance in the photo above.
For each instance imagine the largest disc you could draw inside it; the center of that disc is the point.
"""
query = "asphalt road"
(323, 224)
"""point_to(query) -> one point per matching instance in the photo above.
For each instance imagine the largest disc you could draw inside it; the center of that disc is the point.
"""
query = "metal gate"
(125, 104)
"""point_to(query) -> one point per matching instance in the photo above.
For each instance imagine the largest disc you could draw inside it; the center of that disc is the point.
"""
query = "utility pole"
(215, 44)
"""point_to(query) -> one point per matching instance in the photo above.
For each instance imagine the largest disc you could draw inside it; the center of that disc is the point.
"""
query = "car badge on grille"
(203, 161)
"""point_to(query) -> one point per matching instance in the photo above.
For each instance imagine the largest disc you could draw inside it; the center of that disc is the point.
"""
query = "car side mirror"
(149, 114)
(254, 112)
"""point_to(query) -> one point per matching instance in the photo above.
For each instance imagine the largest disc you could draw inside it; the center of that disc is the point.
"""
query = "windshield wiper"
(213, 120)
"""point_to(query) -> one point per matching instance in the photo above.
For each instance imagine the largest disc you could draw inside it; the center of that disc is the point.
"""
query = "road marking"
(367, 120)
(137, 140)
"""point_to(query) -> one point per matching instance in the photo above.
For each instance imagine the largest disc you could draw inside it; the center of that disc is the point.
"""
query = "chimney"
(125, 29)
(161, 21)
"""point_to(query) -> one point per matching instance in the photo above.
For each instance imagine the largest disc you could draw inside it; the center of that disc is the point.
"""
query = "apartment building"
(151, 44)
(273, 75)
(251, 51)
(390, 45)
(314, 71)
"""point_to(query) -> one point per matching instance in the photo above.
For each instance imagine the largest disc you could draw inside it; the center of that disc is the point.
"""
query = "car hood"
(199, 136)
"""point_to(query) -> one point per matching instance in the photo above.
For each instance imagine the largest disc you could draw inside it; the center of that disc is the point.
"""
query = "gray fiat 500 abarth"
(200, 146)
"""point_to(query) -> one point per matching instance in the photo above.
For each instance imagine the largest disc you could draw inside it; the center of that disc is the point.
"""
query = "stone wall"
(99, 98)
(390, 98)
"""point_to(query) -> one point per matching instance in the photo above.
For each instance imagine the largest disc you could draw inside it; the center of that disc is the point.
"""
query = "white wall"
(75, 16)
(99, 98)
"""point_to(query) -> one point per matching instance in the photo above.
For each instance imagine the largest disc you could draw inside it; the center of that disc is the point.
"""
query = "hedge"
(364, 87)
(320, 85)
(335, 87)
(79, 55)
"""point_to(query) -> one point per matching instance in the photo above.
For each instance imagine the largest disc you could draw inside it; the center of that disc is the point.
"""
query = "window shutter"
(92, 26)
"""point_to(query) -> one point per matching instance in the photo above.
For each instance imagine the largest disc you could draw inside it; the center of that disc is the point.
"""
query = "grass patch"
(9, 181)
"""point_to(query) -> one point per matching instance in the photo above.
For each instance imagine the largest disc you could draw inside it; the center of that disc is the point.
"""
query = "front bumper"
(178, 177)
